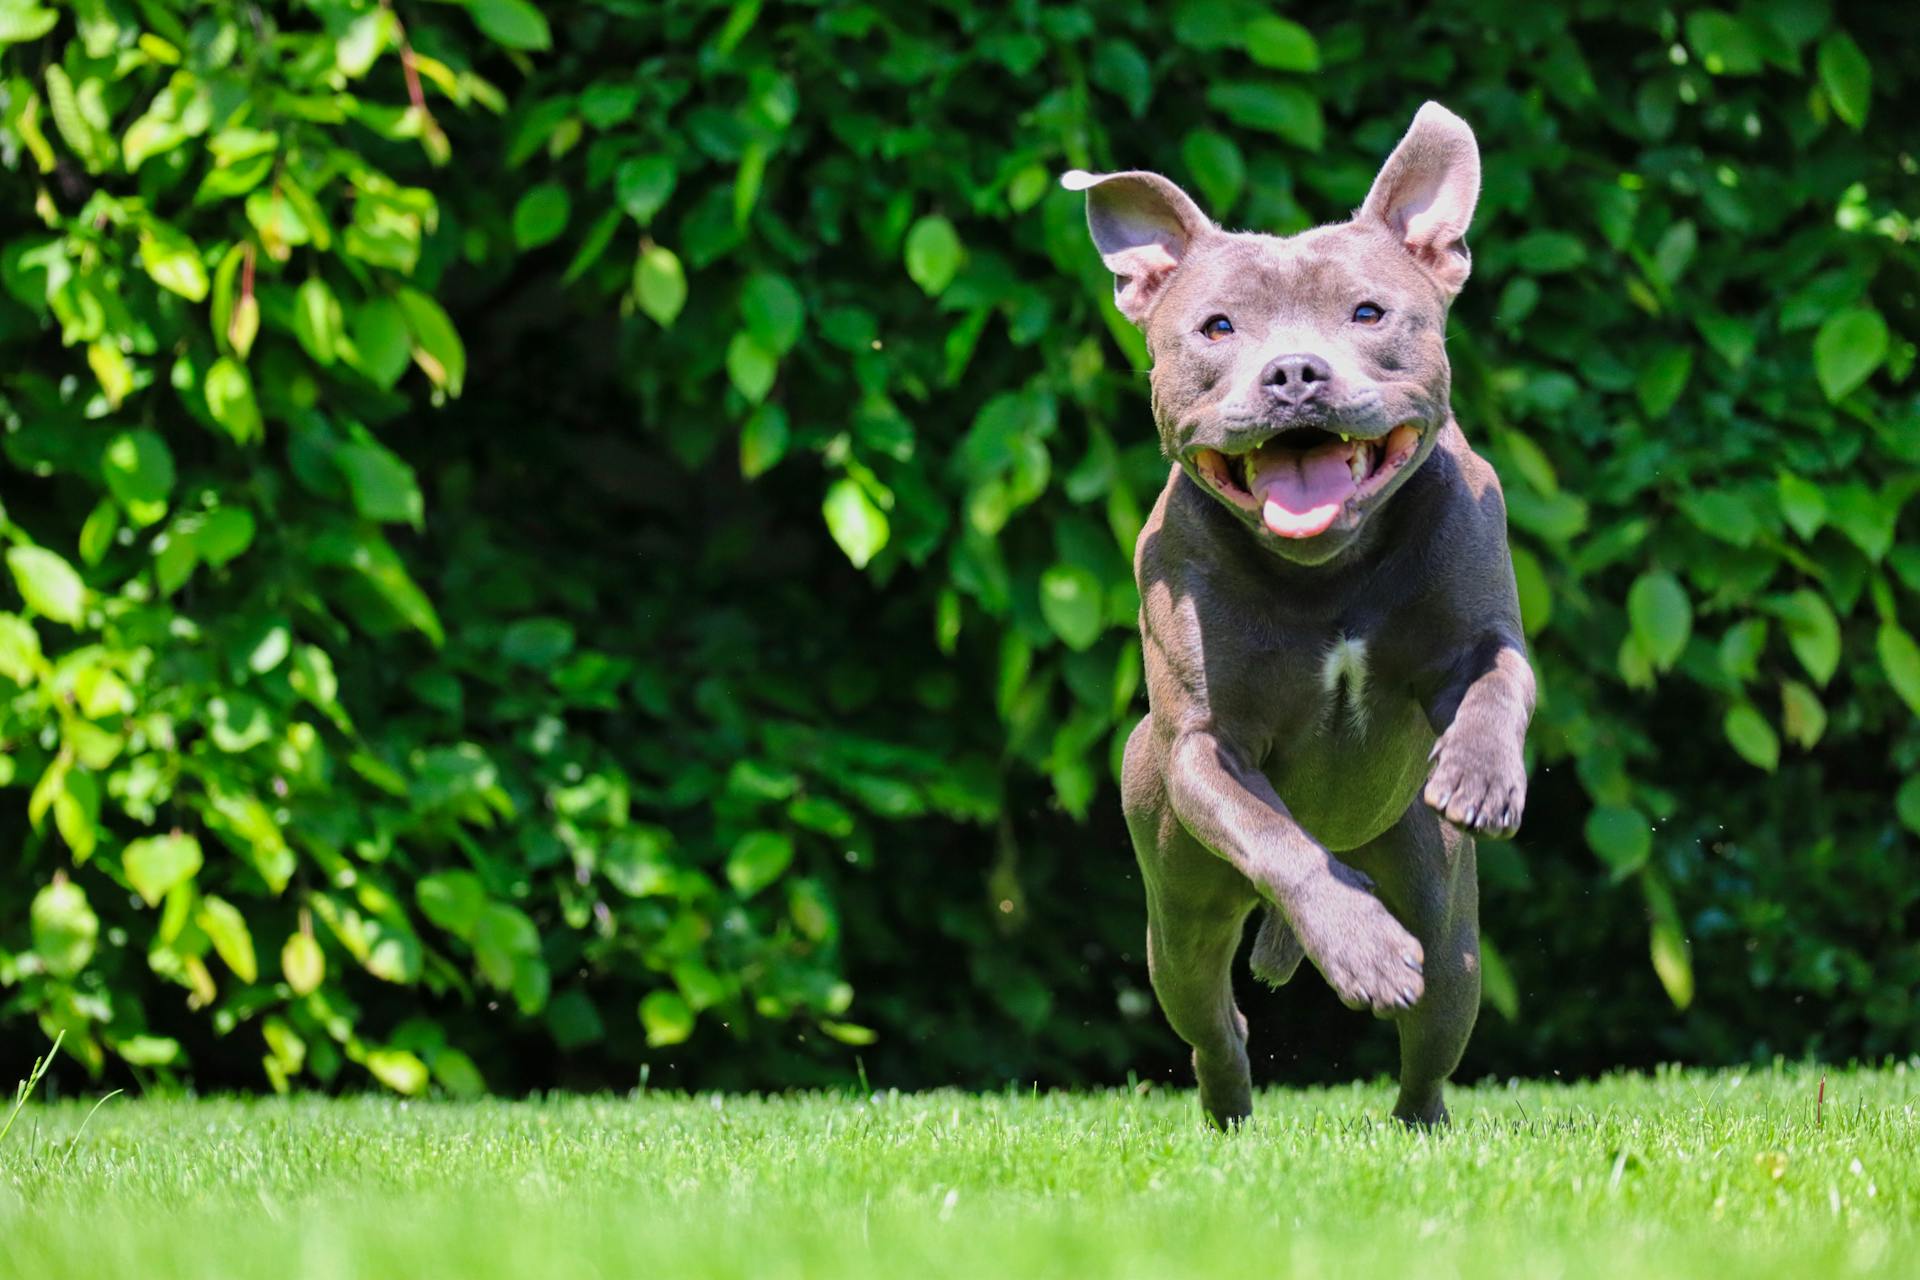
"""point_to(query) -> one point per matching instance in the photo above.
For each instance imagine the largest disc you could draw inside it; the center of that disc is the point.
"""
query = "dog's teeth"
(1358, 465)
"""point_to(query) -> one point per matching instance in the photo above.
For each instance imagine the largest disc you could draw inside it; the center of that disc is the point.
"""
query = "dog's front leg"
(1479, 778)
(1369, 959)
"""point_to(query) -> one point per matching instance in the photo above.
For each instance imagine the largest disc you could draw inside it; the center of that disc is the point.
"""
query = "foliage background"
(542, 546)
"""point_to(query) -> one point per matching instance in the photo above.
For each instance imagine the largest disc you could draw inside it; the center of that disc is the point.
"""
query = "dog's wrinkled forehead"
(1318, 275)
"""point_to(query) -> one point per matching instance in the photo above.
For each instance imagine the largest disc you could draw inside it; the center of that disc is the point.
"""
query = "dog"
(1337, 677)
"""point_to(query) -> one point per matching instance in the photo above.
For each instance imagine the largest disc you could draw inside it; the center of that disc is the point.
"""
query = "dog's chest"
(1347, 752)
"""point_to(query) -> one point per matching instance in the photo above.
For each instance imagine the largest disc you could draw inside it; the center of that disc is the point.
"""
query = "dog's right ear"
(1426, 191)
(1143, 226)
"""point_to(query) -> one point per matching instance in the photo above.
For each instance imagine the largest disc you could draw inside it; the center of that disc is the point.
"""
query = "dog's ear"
(1426, 192)
(1143, 226)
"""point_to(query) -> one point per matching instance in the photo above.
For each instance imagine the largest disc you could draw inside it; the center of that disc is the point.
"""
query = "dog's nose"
(1296, 379)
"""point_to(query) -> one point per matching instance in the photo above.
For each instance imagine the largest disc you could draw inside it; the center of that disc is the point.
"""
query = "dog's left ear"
(1426, 192)
(1143, 226)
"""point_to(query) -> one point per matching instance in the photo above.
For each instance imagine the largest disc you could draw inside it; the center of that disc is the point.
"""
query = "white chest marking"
(1343, 674)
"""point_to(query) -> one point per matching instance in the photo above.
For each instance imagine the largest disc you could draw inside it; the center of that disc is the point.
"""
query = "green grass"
(1723, 1174)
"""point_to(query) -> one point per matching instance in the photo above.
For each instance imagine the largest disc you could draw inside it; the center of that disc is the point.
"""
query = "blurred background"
(571, 545)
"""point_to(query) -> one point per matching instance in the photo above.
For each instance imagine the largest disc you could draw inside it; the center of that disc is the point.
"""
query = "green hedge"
(539, 545)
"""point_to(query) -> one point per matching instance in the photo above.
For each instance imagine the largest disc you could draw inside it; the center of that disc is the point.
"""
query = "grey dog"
(1336, 671)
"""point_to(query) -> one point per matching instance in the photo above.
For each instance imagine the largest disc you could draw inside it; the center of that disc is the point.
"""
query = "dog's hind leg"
(1425, 871)
(1190, 959)
(1197, 907)
(1276, 949)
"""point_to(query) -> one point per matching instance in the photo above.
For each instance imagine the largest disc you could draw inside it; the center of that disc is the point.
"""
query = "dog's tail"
(1276, 951)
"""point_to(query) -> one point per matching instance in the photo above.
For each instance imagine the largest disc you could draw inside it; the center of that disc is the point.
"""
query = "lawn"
(1727, 1174)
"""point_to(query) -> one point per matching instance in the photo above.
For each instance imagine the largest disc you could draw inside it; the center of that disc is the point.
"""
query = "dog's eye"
(1217, 328)
(1367, 313)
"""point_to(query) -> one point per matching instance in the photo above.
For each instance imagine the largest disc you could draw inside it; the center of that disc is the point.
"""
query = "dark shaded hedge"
(546, 546)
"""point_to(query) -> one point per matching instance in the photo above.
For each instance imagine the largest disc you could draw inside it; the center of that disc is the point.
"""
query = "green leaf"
(48, 584)
(20, 659)
(1549, 252)
(1813, 633)
(224, 533)
(149, 1051)
(437, 348)
(1723, 514)
(303, 963)
(382, 347)
(1803, 504)
(278, 220)
(1900, 656)
(537, 642)
(1025, 188)
(773, 311)
(1122, 70)
(1621, 836)
(1282, 44)
(397, 1069)
(751, 367)
(174, 263)
(1741, 647)
(858, 526)
(1865, 516)
(1661, 615)
(1848, 348)
(65, 929)
(1906, 804)
(763, 440)
(80, 114)
(453, 900)
(22, 21)
(1847, 77)
(1667, 941)
(757, 860)
(138, 469)
(667, 1018)
(1664, 379)
(1802, 718)
(659, 284)
(541, 215)
(155, 864)
(1752, 736)
(359, 47)
(318, 322)
(1497, 986)
(1675, 251)
(1725, 44)
(1073, 604)
(643, 185)
(383, 486)
(227, 929)
(229, 392)
(102, 526)
(1217, 166)
(1536, 596)
(1289, 111)
(933, 254)
(504, 938)
(513, 23)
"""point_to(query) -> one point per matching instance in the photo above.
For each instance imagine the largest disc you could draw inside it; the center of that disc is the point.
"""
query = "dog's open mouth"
(1300, 481)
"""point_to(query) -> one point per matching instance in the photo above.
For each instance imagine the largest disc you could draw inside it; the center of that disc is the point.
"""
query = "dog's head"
(1300, 380)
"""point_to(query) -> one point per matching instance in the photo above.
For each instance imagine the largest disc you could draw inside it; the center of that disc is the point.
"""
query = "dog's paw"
(1366, 956)
(1479, 781)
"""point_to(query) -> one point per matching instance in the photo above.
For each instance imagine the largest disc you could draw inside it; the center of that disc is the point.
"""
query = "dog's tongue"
(1301, 492)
